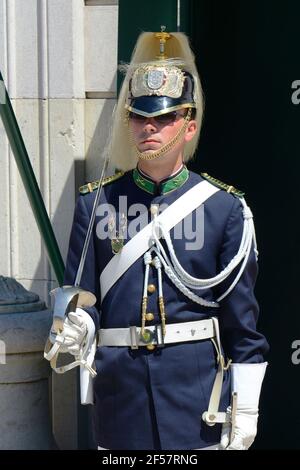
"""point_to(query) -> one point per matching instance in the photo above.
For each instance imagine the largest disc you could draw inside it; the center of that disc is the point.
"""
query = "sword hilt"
(67, 299)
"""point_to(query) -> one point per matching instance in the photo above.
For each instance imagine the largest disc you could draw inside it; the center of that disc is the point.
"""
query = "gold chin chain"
(165, 148)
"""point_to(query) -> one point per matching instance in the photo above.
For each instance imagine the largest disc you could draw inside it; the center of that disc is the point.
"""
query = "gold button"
(149, 316)
(150, 347)
(151, 288)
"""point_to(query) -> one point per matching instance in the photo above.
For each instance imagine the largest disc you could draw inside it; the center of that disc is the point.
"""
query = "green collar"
(163, 187)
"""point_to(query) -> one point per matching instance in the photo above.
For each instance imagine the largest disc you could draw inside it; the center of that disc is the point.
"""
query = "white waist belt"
(175, 333)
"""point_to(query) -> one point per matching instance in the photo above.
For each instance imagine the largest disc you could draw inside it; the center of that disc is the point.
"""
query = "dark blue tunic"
(155, 399)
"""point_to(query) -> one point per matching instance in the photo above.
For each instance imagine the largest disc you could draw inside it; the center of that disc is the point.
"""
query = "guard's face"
(150, 134)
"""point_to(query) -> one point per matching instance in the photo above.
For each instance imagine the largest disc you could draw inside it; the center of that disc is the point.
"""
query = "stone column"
(24, 373)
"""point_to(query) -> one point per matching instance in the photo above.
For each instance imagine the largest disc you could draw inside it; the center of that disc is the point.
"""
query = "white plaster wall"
(53, 53)
(100, 62)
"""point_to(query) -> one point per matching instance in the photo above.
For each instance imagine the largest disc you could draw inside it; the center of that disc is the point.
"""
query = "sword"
(68, 298)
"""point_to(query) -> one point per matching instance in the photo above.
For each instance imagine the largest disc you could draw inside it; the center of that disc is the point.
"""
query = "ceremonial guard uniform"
(174, 285)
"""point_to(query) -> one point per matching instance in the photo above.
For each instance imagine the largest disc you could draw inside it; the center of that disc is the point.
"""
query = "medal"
(117, 236)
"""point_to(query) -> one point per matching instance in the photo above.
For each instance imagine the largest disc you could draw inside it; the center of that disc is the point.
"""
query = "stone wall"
(59, 61)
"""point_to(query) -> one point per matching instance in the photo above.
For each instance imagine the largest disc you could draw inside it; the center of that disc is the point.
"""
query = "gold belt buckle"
(147, 337)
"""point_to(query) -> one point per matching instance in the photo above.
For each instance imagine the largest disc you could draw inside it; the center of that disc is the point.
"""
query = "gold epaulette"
(90, 187)
(224, 186)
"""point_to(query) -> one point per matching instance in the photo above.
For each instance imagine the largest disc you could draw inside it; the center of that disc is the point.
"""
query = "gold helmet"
(161, 77)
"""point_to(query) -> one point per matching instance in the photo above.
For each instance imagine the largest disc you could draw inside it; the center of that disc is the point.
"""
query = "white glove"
(245, 430)
(73, 336)
(246, 380)
(77, 338)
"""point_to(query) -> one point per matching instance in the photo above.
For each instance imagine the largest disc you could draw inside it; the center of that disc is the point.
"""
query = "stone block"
(101, 42)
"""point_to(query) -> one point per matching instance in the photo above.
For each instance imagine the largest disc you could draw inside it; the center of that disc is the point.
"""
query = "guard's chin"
(150, 148)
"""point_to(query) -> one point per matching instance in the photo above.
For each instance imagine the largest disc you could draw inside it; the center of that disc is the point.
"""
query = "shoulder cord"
(161, 255)
(159, 261)
(179, 276)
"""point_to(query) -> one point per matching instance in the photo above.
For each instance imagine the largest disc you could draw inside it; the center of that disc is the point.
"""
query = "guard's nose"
(150, 125)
